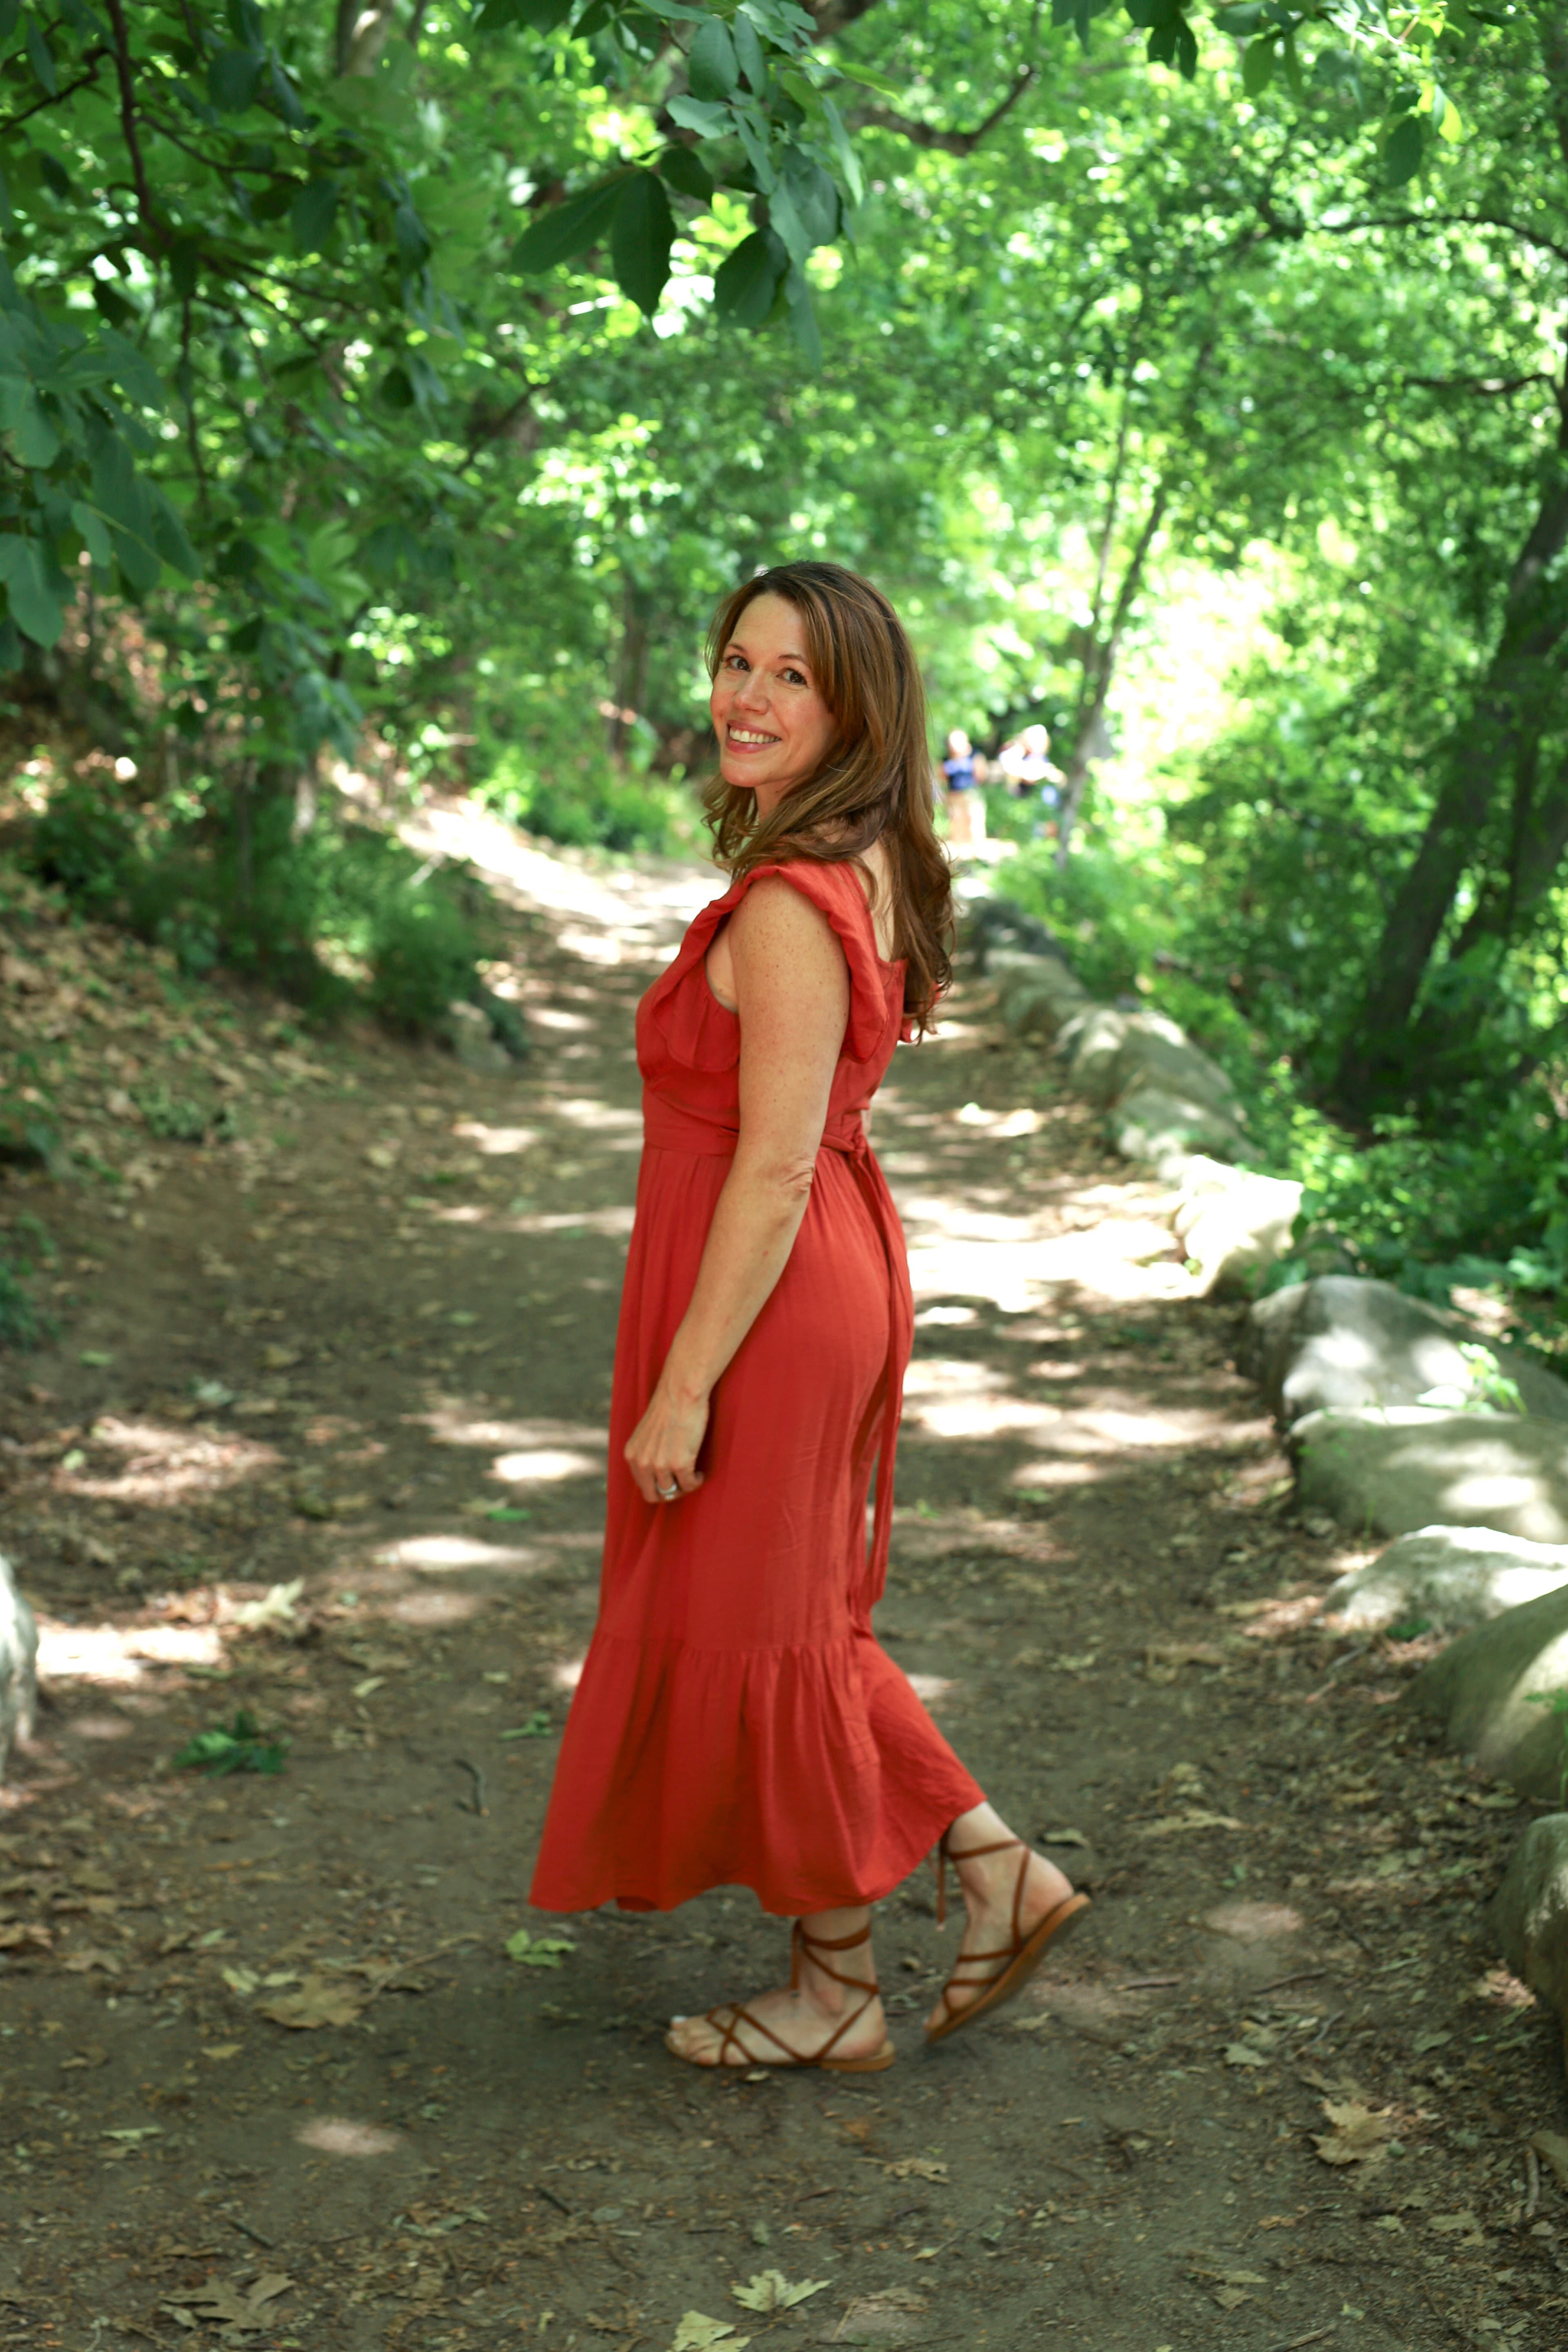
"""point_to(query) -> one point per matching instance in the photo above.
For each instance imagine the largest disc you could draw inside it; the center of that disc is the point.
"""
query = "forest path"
(399, 1291)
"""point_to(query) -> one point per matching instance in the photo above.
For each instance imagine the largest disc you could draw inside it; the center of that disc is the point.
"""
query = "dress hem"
(803, 1908)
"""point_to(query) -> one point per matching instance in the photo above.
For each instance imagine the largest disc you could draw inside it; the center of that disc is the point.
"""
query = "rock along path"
(265, 2029)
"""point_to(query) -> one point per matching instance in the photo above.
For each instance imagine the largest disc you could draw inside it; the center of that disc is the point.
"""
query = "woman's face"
(773, 726)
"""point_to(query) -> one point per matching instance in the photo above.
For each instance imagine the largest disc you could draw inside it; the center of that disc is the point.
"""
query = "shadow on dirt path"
(270, 2075)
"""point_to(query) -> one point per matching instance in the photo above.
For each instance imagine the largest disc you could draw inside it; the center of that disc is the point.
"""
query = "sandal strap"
(802, 1940)
(945, 1854)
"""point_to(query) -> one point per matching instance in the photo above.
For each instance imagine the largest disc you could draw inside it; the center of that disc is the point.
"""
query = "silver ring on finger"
(667, 1494)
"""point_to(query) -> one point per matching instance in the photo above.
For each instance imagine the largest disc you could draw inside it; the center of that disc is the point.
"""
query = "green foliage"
(592, 804)
(1100, 905)
(19, 1321)
(237, 1746)
(338, 912)
(26, 1244)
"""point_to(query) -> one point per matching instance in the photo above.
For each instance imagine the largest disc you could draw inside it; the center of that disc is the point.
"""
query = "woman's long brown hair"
(875, 783)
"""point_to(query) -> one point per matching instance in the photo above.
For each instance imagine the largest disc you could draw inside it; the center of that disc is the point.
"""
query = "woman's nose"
(752, 693)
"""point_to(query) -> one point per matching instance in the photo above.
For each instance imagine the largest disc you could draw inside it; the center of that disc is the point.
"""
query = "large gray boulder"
(1036, 995)
(1157, 1053)
(1529, 1912)
(994, 927)
(1233, 1222)
(1090, 1044)
(1392, 1470)
(18, 1664)
(1167, 1129)
(1485, 1690)
(1342, 1340)
(1449, 1577)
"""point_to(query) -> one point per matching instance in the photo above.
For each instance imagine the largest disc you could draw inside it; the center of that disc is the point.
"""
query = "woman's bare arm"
(792, 991)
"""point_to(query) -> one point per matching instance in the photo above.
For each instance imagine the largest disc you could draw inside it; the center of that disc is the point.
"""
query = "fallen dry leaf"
(1170, 1824)
(218, 2300)
(1551, 2147)
(320, 2002)
(698, 2333)
(916, 2168)
(1244, 2053)
(1462, 2226)
(770, 2291)
(1359, 2135)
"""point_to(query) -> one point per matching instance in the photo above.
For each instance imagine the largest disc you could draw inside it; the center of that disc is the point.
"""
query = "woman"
(735, 1722)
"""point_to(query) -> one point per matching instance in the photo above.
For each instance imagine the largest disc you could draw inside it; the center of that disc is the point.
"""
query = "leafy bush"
(86, 843)
(339, 913)
(1105, 908)
(590, 804)
(28, 1244)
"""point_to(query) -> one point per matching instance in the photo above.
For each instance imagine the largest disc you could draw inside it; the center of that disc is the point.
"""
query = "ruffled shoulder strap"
(834, 890)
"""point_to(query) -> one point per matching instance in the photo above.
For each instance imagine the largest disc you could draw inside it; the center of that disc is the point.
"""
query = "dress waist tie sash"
(667, 1127)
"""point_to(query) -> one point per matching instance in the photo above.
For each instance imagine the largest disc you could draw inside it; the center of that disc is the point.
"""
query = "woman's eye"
(794, 678)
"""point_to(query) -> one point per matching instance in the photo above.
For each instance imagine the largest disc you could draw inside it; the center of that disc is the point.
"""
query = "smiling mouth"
(745, 739)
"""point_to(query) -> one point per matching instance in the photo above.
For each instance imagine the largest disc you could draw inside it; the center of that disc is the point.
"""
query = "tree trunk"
(362, 32)
(1100, 670)
(1380, 1054)
(1509, 708)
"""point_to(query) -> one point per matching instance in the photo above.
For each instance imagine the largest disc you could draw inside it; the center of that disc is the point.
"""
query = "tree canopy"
(411, 373)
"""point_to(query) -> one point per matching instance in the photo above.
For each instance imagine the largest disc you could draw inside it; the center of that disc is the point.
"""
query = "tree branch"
(1492, 386)
(1441, 220)
(122, 68)
(94, 59)
(928, 135)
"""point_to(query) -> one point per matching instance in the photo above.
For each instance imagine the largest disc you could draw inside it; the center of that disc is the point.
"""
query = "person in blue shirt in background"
(963, 774)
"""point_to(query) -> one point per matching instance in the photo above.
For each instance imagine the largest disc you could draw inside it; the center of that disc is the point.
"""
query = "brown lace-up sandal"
(1008, 1970)
(731, 2016)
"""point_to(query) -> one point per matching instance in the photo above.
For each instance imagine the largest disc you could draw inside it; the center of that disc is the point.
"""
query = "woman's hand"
(661, 1451)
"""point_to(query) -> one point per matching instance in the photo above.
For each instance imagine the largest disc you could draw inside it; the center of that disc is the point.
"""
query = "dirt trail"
(1273, 2094)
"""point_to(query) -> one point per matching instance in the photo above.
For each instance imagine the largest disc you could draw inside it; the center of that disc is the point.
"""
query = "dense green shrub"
(337, 914)
(591, 804)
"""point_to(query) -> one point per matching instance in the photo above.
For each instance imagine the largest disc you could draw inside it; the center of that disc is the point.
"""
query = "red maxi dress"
(736, 1724)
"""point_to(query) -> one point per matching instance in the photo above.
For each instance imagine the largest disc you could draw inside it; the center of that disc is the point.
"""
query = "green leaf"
(699, 114)
(749, 54)
(812, 196)
(237, 1747)
(133, 371)
(35, 609)
(285, 97)
(748, 280)
(233, 76)
(9, 12)
(311, 215)
(568, 228)
(682, 168)
(170, 539)
(847, 163)
(803, 316)
(126, 505)
(537, 1951)
(878, 83)
(40, 56)
(712, 65)
(1401, 151)
(1240, 22)
(1292, 66)
(94, 536)
(408, 230)
(1257, 67)
(33, 440)
(640, 240)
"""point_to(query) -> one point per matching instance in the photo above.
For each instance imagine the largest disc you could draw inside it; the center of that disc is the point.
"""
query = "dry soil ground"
(269, 2076)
